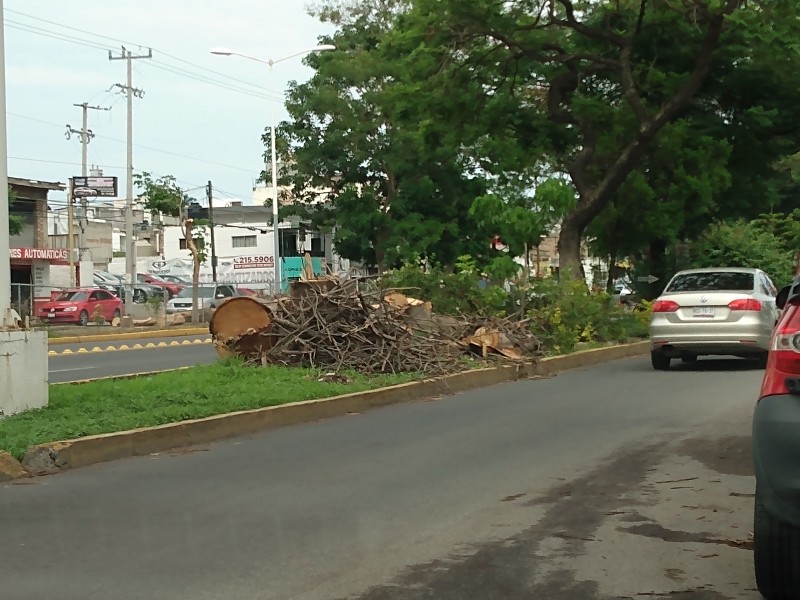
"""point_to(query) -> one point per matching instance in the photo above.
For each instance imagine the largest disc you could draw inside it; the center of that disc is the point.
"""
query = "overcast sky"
(191, 123)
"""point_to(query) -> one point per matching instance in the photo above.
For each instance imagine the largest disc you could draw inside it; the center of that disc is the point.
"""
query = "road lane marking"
(73, 369)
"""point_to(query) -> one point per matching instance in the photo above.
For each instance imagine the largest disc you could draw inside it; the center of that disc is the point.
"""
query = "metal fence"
(148, 302)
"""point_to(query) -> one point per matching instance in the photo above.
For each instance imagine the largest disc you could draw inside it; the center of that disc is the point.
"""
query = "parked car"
(727, 311)
(172, 288)
(179, 279)
(776, 453)
(80, 305)
(208, 296)
(114, 284)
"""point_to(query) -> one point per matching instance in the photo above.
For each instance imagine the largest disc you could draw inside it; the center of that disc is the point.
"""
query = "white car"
(725, 311)
(208, 296)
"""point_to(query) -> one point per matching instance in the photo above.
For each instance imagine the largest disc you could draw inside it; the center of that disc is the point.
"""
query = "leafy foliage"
(15, 223)
(456, 293)
(745, 244)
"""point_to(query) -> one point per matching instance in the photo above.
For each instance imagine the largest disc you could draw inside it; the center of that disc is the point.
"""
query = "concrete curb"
(120, 377)
(126, 347)
(52, 457)
(119, 337)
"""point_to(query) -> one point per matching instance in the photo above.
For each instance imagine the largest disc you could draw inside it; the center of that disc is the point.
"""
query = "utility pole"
(130, 92)
(210, 196)
(86, 136)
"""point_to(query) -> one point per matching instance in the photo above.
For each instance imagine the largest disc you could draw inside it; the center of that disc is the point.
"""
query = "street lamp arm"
(226, 52)
(321, 48)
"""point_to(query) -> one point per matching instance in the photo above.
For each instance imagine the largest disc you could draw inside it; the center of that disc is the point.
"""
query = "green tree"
(522, 218)
(15, 223)
(163, 195)
(671, 196)
(587, 88)
(368, 157)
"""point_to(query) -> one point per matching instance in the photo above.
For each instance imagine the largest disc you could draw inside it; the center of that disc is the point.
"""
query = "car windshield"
(72, 297)
(712, 281)
(202, 292)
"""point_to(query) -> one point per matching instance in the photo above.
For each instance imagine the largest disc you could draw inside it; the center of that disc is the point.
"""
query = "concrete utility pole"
(5, 255)
(130, 92)
(210, 195)
(86, 136)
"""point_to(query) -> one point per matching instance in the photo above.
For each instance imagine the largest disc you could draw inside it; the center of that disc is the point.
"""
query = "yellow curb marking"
(148, 345)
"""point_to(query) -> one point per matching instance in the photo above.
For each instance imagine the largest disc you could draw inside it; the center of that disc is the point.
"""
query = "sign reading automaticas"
(50, 254)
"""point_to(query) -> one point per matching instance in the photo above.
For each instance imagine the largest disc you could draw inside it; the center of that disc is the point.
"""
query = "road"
(87, 364)
(609, 482)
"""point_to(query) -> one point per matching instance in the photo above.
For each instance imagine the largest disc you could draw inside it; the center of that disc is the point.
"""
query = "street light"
(270, 62)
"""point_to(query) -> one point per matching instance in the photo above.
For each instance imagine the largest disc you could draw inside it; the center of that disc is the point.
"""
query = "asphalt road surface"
(72, 367)
(604, 483)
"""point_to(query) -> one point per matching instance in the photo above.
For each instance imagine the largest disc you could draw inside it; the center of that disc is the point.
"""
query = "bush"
(561, 314)
(745, 244)
(456, 293)
(564, 314)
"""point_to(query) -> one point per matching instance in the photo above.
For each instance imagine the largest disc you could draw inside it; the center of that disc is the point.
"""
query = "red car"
(776, 452)
(80, 305)
(172, 288)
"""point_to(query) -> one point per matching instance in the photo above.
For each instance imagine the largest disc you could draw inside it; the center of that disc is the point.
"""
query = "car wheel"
(117, 314)
(689, 358)
(659, 360)
(776, 555)
(83, 318)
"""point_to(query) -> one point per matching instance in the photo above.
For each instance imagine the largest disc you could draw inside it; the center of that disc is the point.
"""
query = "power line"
(256, 92)
(54, 35)
(104, 137)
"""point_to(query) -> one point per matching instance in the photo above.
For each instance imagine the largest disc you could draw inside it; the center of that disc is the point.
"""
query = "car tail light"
(783, 366)
(665, 306)
(745, 304)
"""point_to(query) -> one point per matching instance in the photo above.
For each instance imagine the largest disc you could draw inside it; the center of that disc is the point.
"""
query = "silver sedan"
(726, 311)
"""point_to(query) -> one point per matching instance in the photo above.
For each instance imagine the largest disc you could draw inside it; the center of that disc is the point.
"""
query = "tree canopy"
(662, 116)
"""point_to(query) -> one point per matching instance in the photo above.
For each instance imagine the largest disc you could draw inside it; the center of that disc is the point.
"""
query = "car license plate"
(704, 311)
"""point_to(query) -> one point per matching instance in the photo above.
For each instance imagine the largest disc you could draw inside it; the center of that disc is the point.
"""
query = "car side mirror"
(782, 297)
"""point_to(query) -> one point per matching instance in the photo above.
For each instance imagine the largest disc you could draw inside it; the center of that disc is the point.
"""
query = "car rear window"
(73, 297)
(712, 281)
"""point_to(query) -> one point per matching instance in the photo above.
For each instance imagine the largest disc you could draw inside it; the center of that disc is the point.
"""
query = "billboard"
(101, 187)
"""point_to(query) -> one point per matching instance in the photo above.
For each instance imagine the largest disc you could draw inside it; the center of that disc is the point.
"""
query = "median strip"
(140, 416)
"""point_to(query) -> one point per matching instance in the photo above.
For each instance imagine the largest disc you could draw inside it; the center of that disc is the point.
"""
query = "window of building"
(288, 239)
(244, 241)
(182, 244)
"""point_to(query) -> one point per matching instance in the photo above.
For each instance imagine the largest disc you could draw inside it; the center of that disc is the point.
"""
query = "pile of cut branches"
(336, 328)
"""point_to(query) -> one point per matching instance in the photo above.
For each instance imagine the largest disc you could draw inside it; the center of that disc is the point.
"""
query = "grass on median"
(77, 410)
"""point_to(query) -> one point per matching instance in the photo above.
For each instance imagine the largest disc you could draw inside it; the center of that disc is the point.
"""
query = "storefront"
(35, 274)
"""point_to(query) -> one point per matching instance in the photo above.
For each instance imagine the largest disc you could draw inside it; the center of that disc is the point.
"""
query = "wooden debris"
(329, 325)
